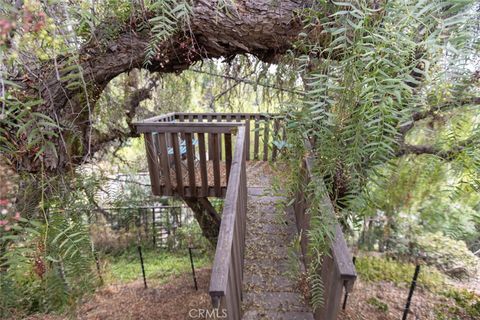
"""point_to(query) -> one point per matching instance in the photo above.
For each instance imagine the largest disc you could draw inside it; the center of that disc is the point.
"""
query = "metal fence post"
(143, 268)
(410, 293)
(193, 268)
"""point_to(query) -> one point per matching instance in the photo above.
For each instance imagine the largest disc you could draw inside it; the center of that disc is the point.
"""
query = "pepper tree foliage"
(373, 74)
(46, 255)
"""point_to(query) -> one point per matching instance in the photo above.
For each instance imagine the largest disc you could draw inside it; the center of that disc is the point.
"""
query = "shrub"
(380, 305)
(467, 305)
(108, 241)
(448, 255)
(386, 269)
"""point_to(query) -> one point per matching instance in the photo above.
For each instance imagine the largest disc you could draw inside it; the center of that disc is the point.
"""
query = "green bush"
(467, 305)
(446, 254)
(45, 268)
(380, 305)
(386, 269)
(467, 300)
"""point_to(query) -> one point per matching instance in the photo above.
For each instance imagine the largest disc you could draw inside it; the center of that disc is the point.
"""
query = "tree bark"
(263, 28)
(207, 217)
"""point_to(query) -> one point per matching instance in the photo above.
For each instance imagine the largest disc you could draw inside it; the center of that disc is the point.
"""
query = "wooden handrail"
(191, 127)
(337, 270)
(189, 116)
(190, 154)
(227, 272)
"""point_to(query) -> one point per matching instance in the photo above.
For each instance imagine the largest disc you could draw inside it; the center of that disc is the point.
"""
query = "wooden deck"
(269, 289)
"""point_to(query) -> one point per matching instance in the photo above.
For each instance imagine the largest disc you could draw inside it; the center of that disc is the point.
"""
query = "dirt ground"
(358, 307)
(175, 299)
(131, 301)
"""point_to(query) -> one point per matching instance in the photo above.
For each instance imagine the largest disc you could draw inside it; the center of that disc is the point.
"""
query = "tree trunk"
(207, 217)
(263, 28)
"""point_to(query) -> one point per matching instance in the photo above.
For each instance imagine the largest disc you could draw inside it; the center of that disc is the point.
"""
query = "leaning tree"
(370, 72)
(368, 69)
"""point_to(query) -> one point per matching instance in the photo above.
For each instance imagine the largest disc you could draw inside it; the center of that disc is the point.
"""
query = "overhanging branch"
(448, 155)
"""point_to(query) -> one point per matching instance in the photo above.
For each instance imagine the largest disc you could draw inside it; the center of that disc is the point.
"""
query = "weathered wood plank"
(203, 164)
(247, 138)
(276, 127)
(216, 163)
(178, 163)
(256, 138)
(162, 142)
(228, 154)
(157, 118)
(266, 128)
(210, 140)
(152, 160)
(181, 119)
(190, 162)
(192, 127)
(337, 271)
(224, 114)
(227, 266)
(220, 146)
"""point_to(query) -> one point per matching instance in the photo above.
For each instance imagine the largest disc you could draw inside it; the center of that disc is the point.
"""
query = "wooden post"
(346, 292)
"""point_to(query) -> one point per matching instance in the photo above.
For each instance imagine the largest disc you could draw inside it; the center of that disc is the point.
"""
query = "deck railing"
(177, 167)
(192, 177)
(227, 271)
(337, 270)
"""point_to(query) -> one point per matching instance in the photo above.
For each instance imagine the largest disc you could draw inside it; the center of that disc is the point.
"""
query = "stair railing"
(337, 270)
(227, 272)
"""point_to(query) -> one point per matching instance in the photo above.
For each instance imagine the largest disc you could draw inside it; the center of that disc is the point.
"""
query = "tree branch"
(421, 115)
(433, 150)
(248, 81)
(130, 107)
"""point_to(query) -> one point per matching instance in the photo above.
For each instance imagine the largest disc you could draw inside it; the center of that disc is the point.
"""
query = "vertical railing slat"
(247, 137)
(210, 140)
(162, 142)
(256, 138)
(178, 163)
(266, 125)
(219, 139)
(276, 125)
(203, 164)
(228, 154)
(181, 118)
(152, 160)
(216, 165)
(191, 164)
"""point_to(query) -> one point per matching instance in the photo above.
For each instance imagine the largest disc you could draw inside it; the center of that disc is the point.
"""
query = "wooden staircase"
(249, 277)
(270, 288)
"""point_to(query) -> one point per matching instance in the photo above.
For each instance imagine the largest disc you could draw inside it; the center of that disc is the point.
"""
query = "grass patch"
(159, 264)
(384, 269)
